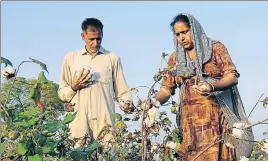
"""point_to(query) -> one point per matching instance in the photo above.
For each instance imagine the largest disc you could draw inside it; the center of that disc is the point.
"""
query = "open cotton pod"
(8, 72)
(146, 104)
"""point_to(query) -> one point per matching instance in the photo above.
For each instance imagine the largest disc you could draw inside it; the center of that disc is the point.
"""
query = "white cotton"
(145, 105)
(239, 125)
(130, 145)
(265, 145)
(126, 134)
(264, 150)
(153, 113)
(154, 147)
(91, 73)
(148, 122)
(243, 158)
(229, 145)
(238, 131)
(8, 71)
(171, 144)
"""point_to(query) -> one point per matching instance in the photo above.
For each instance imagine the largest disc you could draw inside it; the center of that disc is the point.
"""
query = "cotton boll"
(238, 131)
(8, 72)
(154, 113)
(243, 158)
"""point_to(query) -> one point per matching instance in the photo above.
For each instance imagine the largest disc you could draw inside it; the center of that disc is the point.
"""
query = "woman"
(209, 100)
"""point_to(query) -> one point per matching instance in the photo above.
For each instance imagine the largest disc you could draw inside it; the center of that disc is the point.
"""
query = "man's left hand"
(127, 106)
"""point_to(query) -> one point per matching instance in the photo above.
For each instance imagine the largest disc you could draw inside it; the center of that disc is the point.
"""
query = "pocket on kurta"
(103, 75)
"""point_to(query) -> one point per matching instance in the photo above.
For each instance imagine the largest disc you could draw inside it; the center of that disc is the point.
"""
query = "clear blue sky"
(138, 32)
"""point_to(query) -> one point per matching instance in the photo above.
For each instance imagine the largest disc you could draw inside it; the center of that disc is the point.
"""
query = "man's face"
(92, 37)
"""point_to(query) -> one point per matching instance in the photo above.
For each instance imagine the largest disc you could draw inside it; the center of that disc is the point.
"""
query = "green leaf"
(10, 154)
(62, 159)
(48, 134)
(30, 112)
(126, 119)
(23, 124)
(167, 122)
(39, 151)
(69, 118)
(22, 148)
(43, 66)
(33, 121)
(48, 147)
(93, 147)
(3, 147)
(118, 116)
(37, 92)
(31, 93)
(79, 155)
(36, 157)
(42, 78)
(6, 61)
(136, 118)
(41, 140)
(52, 127)
(157, 77)
(257, 156)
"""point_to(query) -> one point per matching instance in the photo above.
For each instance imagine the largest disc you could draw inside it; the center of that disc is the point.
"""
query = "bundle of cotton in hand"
(127, 106)
(91, 76)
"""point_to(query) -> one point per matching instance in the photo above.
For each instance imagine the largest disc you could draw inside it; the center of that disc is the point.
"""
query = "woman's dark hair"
(91, 22)
(180, 18)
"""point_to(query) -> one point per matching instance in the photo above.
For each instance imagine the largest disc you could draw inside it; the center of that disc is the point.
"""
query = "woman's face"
(183, 35)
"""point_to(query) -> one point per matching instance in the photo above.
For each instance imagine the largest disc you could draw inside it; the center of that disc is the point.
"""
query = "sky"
(139, 32)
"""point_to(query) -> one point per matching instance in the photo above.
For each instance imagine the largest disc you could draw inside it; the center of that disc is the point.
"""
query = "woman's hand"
(163, 95)
(204, 88)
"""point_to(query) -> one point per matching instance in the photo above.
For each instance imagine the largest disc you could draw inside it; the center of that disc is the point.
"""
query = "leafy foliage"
(35, 129)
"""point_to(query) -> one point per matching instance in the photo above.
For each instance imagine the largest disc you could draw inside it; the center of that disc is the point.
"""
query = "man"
(89, 81)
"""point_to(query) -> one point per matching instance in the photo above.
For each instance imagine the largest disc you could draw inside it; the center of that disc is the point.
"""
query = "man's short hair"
(91, 22)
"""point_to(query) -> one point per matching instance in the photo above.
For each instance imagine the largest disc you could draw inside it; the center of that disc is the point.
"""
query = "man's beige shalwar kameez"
(95, 104)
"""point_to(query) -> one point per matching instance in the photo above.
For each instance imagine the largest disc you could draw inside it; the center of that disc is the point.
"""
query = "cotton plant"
(149, 115)
(140, 144)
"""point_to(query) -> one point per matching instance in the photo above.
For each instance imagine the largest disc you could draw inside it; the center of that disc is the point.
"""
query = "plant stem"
(16, 73)
(211, 145)
(255, 105)
(5, 110)
(259, 122)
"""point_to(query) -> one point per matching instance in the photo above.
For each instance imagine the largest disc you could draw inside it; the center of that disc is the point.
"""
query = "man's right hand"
(81, 79)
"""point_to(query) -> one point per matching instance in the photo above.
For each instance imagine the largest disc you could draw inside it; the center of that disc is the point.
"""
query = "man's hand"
(127, 106)
(68, 107)
(81, 79)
